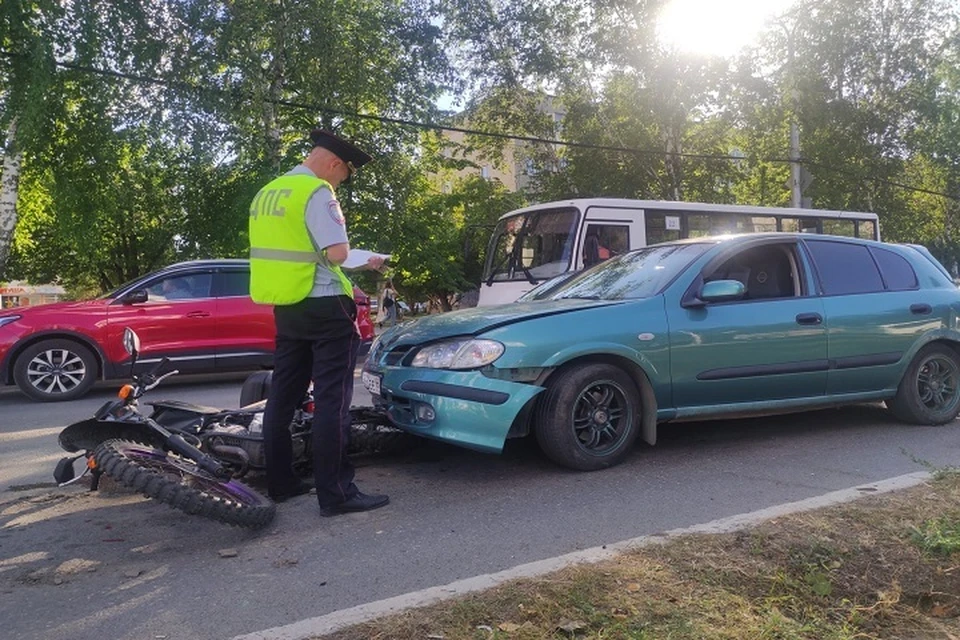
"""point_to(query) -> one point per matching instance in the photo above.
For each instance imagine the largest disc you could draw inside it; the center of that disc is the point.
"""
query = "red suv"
(199, 314)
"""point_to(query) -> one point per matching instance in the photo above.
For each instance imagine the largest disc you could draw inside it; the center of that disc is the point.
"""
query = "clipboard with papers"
(358, 258)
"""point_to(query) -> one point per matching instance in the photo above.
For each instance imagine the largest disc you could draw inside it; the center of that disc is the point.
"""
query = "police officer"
(298, 240)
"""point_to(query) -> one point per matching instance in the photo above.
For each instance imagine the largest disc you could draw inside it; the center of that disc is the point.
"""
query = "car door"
(245, 330)
(769, 345)
(875, 312)
(177, 320)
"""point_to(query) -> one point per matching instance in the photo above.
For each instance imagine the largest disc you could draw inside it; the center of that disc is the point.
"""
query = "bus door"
(607, 232)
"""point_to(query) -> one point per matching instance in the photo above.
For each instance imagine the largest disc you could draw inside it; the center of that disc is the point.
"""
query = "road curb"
(337, 620)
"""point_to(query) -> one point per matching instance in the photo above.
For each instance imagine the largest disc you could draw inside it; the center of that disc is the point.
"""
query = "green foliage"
(938, 537)
(122, 175)
(442, 237)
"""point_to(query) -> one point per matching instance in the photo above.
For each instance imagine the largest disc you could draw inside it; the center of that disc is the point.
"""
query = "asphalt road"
(75, 564)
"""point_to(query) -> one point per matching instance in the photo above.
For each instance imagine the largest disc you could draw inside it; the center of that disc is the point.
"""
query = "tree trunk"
(674, 162)
(9, 183)
(276, 79)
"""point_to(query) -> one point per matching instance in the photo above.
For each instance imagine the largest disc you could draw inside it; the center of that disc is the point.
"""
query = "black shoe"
(298, 490)
(359, 502)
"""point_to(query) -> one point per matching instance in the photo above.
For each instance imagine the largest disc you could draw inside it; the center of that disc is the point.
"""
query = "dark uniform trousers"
(316, 338)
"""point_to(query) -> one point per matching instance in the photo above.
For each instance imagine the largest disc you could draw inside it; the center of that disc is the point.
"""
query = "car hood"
(480, 319)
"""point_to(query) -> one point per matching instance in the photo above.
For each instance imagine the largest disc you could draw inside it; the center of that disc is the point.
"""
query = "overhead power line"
(476, 132)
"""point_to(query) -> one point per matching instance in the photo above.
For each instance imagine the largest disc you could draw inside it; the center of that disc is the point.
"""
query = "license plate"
(371, 382)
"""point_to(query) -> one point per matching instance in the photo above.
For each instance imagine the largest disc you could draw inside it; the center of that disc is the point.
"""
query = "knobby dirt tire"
(140, 467)
(371, 433)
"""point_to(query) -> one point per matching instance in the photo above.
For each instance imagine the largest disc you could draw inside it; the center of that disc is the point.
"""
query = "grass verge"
(885, 566)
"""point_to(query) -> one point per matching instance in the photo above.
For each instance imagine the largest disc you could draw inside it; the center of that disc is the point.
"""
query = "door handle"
(921, 309)
(198, 314)
(809, 318)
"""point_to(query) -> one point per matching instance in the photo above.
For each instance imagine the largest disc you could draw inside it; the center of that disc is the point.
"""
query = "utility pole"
(796, 187)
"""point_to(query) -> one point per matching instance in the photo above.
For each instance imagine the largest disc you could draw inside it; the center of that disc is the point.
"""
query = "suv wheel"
(53, 370)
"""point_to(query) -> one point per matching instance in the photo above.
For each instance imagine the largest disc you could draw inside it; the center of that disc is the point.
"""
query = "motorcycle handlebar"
(159, 367)
(160, 379)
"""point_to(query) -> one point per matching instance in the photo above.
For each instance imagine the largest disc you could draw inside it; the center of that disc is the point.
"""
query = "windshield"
(533, 246)
(638, 274)
(545, 288)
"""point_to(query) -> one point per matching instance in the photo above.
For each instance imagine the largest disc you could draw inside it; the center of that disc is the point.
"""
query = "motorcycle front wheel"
(180, 483)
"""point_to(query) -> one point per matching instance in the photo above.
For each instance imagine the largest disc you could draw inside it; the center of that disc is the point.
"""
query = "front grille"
(396, 355)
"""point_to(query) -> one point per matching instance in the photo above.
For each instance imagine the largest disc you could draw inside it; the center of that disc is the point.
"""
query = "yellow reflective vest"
(283, 259)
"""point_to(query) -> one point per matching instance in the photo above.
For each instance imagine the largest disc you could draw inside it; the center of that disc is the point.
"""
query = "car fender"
(938, 335)
(654, 390)
(581, 350)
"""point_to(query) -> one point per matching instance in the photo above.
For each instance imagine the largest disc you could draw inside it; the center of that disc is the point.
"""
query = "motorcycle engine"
(235, 443)
(244, 444)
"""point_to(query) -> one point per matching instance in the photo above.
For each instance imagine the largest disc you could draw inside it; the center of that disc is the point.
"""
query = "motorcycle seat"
(185, 406)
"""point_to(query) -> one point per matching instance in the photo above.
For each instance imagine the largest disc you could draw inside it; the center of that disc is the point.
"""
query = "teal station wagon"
(695, 329)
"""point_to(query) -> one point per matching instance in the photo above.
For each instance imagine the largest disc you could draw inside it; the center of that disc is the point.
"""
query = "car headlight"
(458, 354)
(8, 320)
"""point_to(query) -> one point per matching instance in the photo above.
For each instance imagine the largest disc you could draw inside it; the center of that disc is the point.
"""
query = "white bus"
(537, 243)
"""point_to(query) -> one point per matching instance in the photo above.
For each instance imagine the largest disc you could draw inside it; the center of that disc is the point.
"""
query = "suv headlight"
(8, 319)
(458, 354)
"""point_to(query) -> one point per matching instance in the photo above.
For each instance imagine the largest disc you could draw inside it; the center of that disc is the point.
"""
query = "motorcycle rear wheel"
(180, 483)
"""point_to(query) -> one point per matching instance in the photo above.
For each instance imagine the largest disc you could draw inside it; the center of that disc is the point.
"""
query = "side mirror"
(722, 290)
(135, 297)
(131, 342)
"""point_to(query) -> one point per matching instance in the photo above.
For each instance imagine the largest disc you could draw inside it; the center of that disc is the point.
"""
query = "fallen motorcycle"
(191, 456)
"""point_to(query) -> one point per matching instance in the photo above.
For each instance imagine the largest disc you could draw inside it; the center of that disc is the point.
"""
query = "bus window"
(656, 227)
(722, 224)
(800, 225)
(717, 224)
(839, 228)
(762, 224)
(603, 241)
(698, 225)
(866, 229)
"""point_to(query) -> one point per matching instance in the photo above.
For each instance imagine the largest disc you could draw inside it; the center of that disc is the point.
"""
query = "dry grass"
(885, 567)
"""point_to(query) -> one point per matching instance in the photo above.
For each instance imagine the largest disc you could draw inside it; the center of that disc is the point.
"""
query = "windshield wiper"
(578, 298)
(516, 257)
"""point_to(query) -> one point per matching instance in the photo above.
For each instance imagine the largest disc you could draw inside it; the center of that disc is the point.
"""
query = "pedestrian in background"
(298, 240)
(389, 305)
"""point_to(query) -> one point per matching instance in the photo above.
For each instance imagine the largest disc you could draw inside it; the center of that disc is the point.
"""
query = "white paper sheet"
(358, 257)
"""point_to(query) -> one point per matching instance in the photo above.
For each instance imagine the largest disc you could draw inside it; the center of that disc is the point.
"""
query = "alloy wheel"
(937, 383)
(56, 371)
(601, 417)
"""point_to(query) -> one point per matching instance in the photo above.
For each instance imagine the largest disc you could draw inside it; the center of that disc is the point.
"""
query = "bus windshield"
(533, 246)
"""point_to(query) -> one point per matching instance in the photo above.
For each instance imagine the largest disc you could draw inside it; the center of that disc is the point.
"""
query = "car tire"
(929, 392)
(55, 370)
(589, 417)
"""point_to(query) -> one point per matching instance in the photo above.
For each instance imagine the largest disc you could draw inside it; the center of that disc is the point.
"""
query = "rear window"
(897, 272)
(845, 268)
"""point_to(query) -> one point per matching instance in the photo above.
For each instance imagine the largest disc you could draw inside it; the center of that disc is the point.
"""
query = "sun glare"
(715, 27)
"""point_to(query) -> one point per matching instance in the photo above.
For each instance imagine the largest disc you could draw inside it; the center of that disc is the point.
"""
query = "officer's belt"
(284, 255)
